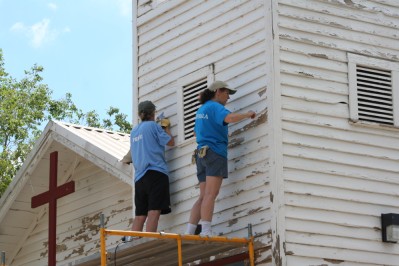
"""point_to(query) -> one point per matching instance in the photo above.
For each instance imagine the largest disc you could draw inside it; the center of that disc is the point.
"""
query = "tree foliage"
(25, 105)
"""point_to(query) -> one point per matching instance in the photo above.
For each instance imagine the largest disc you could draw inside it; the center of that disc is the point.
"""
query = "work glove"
(165, 122)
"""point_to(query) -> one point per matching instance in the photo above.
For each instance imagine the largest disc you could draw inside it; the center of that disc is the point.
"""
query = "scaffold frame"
(249, 241)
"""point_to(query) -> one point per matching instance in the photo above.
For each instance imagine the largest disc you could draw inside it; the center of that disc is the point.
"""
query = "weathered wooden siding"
(78, 217)
(338, 177)
(176, 38)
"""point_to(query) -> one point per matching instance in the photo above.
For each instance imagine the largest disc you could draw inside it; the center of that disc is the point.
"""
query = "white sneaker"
(208, 233)
(129, 238)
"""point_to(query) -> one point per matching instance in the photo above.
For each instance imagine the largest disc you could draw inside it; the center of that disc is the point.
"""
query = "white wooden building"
(312, 173)
(89, 157)
(319, 165)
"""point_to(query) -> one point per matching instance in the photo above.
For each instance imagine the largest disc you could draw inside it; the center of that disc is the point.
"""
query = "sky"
(85, 47)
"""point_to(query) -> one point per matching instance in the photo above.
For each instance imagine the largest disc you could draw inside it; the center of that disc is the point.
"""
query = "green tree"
(25, 105)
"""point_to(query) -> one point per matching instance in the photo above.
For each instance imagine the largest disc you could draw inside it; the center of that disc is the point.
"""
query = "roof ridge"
(100, 130)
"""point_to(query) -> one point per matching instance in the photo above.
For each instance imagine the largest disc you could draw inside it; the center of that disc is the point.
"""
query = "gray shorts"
(212, 164)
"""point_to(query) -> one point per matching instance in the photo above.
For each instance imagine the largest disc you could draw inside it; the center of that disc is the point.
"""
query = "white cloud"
(125, 7)
(52, 6)
(39, 33)
(18, 27)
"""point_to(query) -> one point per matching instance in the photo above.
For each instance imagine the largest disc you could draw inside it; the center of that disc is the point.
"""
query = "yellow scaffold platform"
(172, 249)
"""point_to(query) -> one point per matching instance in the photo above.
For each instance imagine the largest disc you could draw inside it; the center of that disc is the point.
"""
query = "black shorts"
(152, 193)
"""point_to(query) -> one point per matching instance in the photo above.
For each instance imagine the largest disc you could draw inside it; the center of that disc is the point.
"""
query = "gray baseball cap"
(219, 85)
(146, 107)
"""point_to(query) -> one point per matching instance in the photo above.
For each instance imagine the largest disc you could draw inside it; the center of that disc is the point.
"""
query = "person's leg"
(195, 214)
(141, 203)
(212, 187)
(152, 220)
(138, 223)
(158, 199)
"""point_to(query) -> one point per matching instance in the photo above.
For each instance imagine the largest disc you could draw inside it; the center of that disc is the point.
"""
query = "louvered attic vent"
(374, 95)
(191, 105)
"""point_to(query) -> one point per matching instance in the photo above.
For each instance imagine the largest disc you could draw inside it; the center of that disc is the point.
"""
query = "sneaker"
(127, 239)
(206, 234)
(197, 231)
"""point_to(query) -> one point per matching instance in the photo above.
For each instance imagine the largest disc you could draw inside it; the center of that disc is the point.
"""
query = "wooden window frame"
(203, 73)
(355, 60)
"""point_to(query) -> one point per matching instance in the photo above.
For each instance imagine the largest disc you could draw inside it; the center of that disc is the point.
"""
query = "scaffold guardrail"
(178, 237)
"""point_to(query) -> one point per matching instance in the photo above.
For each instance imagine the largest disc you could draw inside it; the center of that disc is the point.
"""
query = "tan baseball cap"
(219, 85)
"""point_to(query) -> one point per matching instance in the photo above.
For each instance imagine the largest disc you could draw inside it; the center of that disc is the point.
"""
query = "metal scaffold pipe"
(179, 239)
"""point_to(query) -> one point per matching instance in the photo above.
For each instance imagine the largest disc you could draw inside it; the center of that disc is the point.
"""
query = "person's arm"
(172, 140)
(237, 117)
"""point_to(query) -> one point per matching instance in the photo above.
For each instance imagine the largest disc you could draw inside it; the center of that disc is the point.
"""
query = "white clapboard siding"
(176, 38)
(338, 177)
(78, 217)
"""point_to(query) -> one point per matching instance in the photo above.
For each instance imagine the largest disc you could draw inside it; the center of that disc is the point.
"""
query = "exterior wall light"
(390, 227)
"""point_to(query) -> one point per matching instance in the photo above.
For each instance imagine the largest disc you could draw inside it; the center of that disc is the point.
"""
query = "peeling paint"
(68, 237)
(260, 93)
(89, 251)
(79, 251)
(252, 211)
(235, 142)
(306, 74)
(334, 261)
(115, 212)
(337, 25)
(232, 222)
(58, 249)
(319, 55)
(88, 228)
(86, 238)
(276, 252)
(238, 212)
(44, 253)
(253, 173)
(238, 191)
(260, 251)
(260, 119)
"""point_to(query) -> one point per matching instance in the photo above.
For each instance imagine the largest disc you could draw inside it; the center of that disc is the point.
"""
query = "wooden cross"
(51, 197)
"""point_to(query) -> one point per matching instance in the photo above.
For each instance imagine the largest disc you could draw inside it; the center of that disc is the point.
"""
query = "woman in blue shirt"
(147, 144)
(211, 131)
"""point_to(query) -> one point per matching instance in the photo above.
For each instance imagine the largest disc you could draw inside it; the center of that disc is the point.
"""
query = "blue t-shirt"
(147, 142)
(210, 128)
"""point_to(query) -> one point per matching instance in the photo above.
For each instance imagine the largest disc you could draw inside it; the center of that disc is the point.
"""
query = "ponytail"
(205, 96)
